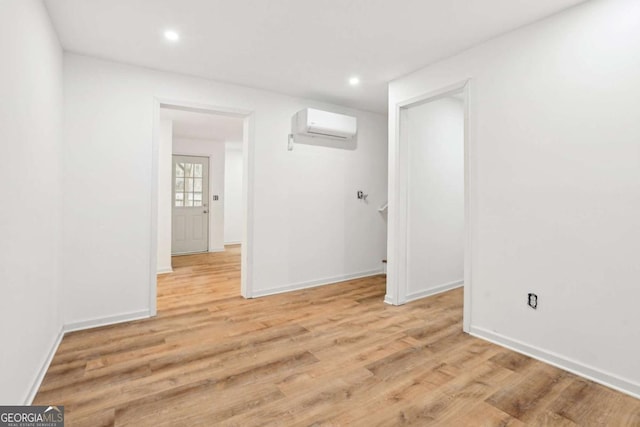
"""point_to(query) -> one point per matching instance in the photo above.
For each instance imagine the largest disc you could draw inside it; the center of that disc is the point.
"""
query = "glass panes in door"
(188, 184)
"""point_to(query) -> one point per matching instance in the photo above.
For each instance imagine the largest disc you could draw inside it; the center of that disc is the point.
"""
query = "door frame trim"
(397, 263)
(248, 147)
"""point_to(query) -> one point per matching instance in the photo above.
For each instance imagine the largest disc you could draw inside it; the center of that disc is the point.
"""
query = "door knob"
(205, 211)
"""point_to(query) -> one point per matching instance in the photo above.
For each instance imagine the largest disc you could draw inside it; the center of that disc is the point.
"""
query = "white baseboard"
(76, 326)
(164, 270)
(314, 283)
(233, 243)
(213, 250)
(433, 291)
(578, 368)
(35, 386)
(388, 299)
(106, 321)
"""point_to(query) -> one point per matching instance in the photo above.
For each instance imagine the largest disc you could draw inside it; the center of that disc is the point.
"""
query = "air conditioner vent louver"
(326, 134)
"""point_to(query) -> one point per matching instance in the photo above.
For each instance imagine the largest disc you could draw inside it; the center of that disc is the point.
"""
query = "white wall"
(165, 149)
(216, 152)
(233, 212)
(555, 186)
(308, 225)
(435, 238)
(30, 131)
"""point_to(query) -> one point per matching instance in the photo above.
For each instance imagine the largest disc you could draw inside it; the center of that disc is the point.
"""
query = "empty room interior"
(295, 212)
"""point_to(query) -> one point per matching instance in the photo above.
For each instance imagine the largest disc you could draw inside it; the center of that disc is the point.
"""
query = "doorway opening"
(430, 230)
(203, 169)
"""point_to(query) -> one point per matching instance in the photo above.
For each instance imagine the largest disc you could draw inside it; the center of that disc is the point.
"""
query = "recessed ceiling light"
(171, 35)
(354, 81)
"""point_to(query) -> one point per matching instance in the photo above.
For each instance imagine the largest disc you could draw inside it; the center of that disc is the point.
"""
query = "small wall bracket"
(290, 142)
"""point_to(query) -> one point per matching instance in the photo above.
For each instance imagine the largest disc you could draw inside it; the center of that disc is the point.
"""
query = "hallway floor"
(333, 355)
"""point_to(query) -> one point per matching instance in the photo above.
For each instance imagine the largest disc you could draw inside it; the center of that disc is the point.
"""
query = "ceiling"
(306, 48)
(194, 125)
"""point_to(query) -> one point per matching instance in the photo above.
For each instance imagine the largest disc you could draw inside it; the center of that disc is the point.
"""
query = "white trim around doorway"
(246, 287)
(398, 200)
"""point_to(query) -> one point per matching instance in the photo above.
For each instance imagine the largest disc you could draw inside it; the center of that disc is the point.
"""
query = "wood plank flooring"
(334, 355)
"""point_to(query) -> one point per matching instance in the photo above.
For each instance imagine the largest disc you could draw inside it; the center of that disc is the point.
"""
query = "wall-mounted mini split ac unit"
(323, 124)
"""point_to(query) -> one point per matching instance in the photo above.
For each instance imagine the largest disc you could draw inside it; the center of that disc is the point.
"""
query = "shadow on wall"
(342, 144)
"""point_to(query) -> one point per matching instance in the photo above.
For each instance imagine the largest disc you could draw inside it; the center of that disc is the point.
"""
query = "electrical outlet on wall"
(532, 301)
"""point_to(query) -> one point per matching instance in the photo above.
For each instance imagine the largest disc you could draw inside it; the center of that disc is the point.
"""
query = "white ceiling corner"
(205, 126)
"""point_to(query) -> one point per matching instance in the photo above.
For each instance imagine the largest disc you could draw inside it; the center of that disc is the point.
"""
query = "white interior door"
(190, 213)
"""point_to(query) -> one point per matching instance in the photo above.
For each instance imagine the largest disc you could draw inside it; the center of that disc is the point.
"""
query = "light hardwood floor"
(334, 355)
